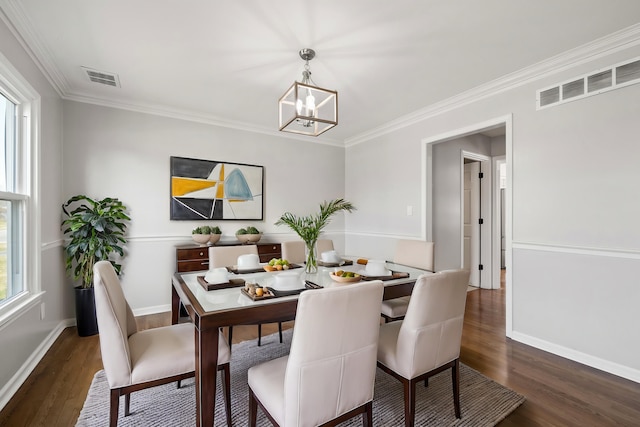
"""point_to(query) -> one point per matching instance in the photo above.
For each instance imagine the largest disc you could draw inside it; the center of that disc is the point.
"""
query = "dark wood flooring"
(559, 392)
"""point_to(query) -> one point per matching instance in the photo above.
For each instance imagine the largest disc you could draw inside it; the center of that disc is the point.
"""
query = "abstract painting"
(215, 190)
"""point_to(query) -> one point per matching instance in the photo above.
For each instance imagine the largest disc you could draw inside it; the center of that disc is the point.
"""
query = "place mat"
(394, 275)
(234, 269)
(335, 264)
(232, 283)
(257, 298)
(279, 293)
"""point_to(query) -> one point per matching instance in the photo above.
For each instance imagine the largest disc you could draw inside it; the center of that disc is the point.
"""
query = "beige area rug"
(483, 401)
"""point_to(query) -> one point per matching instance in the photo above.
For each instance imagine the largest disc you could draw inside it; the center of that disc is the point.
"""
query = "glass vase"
(311, 256)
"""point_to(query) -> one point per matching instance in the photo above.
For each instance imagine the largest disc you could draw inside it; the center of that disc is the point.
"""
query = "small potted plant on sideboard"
(248, 235)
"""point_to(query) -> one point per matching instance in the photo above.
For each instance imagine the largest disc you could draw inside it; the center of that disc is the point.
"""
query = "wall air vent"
(102, 77)
(603, 80)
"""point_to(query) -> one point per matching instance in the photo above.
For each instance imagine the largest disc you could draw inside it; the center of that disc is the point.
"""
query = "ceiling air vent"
(600, 81)
(102, 77)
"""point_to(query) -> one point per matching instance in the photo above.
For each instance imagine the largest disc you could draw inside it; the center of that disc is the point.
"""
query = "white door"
(471, 221)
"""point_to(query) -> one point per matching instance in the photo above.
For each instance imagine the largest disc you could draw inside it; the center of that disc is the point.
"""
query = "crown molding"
(598, 48)
(19, 24)
(13, 15)
(165, 111)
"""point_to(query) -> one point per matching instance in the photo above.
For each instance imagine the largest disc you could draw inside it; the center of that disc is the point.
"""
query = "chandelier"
(306, 108)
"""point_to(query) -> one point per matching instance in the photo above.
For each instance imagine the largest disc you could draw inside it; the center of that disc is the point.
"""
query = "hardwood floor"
(559, 392)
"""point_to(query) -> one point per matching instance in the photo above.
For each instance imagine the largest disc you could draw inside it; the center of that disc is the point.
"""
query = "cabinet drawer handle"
(204, 263)
(201, 253)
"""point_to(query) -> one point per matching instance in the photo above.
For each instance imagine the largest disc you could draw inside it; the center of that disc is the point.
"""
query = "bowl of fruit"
(277, 264)
(345, 276)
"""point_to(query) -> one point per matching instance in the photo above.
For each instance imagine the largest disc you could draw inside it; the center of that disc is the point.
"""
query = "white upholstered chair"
(294, 251)
(428, 340)
(329, 374)
(414, 253)
(134, 360)
(226, 256)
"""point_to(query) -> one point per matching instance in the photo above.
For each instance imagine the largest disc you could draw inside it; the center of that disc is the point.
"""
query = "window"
(19, 249)
(11, 206)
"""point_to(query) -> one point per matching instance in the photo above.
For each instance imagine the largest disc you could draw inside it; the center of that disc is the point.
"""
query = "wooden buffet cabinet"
(194, 257)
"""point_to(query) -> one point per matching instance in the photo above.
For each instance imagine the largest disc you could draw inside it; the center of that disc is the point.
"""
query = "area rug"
(483, 401)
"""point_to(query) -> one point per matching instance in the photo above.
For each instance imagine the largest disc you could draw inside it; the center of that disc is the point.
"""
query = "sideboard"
(194, 257)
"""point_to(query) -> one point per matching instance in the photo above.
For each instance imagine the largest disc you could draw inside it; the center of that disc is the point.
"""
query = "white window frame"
(15, 88)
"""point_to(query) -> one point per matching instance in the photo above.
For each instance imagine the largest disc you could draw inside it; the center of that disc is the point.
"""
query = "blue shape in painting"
(236, 187)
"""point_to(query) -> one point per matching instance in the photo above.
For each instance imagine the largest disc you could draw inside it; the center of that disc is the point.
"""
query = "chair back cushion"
(431, 331)
(226, 256)
(414, 253)
(293, 251)
(116, 324)
(332, 362)
(324, 245)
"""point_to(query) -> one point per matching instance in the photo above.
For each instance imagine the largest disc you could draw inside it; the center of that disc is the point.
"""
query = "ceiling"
(228, 61)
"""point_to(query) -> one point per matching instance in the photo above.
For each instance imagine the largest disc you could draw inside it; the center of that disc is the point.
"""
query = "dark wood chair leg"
(114, 405)
(230, 335)
(179, 384)
(259, 334)
(280, 331)
(367, 415)
(127, 404)
(226, 388)
(455, 380)
(409, 402)
(253, 409)
(426, 382)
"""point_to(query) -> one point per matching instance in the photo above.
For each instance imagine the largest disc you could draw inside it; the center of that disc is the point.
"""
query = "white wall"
(117, 153)
(447, 208)
(575, 210)
(24, 340)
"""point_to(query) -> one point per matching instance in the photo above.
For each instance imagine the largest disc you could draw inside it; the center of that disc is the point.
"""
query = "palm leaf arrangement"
(309, 227)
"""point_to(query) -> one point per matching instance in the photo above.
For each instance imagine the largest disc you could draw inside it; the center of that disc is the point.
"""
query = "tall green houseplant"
(309, 227)
(95, 229)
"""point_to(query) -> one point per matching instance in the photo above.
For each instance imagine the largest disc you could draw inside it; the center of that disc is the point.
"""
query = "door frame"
(427, 195)
(486, 212)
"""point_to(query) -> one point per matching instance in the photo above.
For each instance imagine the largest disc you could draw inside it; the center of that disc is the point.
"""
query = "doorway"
(494, 246)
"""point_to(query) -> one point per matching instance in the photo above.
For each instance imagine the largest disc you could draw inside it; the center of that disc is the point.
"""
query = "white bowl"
(248, 261)
(217, 276)
(287, 280)
(248, 238)
(376, 268)
(330, 257)
(201, 238)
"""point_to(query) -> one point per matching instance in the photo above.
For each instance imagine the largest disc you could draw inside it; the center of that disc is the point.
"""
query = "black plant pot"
(86, 312)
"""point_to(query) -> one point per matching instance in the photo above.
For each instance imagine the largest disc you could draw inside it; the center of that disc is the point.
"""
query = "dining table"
(211, 307)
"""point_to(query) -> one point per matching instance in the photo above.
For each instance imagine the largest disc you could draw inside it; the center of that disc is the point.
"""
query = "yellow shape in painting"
(220, 189)
(181, 186)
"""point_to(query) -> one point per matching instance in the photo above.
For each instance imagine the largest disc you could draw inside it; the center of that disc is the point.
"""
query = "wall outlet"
(42, 311)
(409, 210)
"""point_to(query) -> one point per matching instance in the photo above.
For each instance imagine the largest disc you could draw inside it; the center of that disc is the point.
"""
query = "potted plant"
(206, 234)
(95, 229)
(248, 235)
(201, 235)
(214, 234)
(309, 227)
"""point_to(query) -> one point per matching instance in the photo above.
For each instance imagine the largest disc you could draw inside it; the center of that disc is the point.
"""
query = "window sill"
(17, 306)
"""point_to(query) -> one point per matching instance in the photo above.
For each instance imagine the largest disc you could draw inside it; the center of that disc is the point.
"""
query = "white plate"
(364, 272)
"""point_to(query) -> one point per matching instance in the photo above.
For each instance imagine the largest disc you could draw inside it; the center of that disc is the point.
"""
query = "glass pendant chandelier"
(306, 108)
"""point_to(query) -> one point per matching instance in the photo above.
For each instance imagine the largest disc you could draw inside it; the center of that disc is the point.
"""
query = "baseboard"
(577, 356)
(12, 386)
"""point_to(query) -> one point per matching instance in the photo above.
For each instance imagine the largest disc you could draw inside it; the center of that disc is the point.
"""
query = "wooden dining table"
(210, 310)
